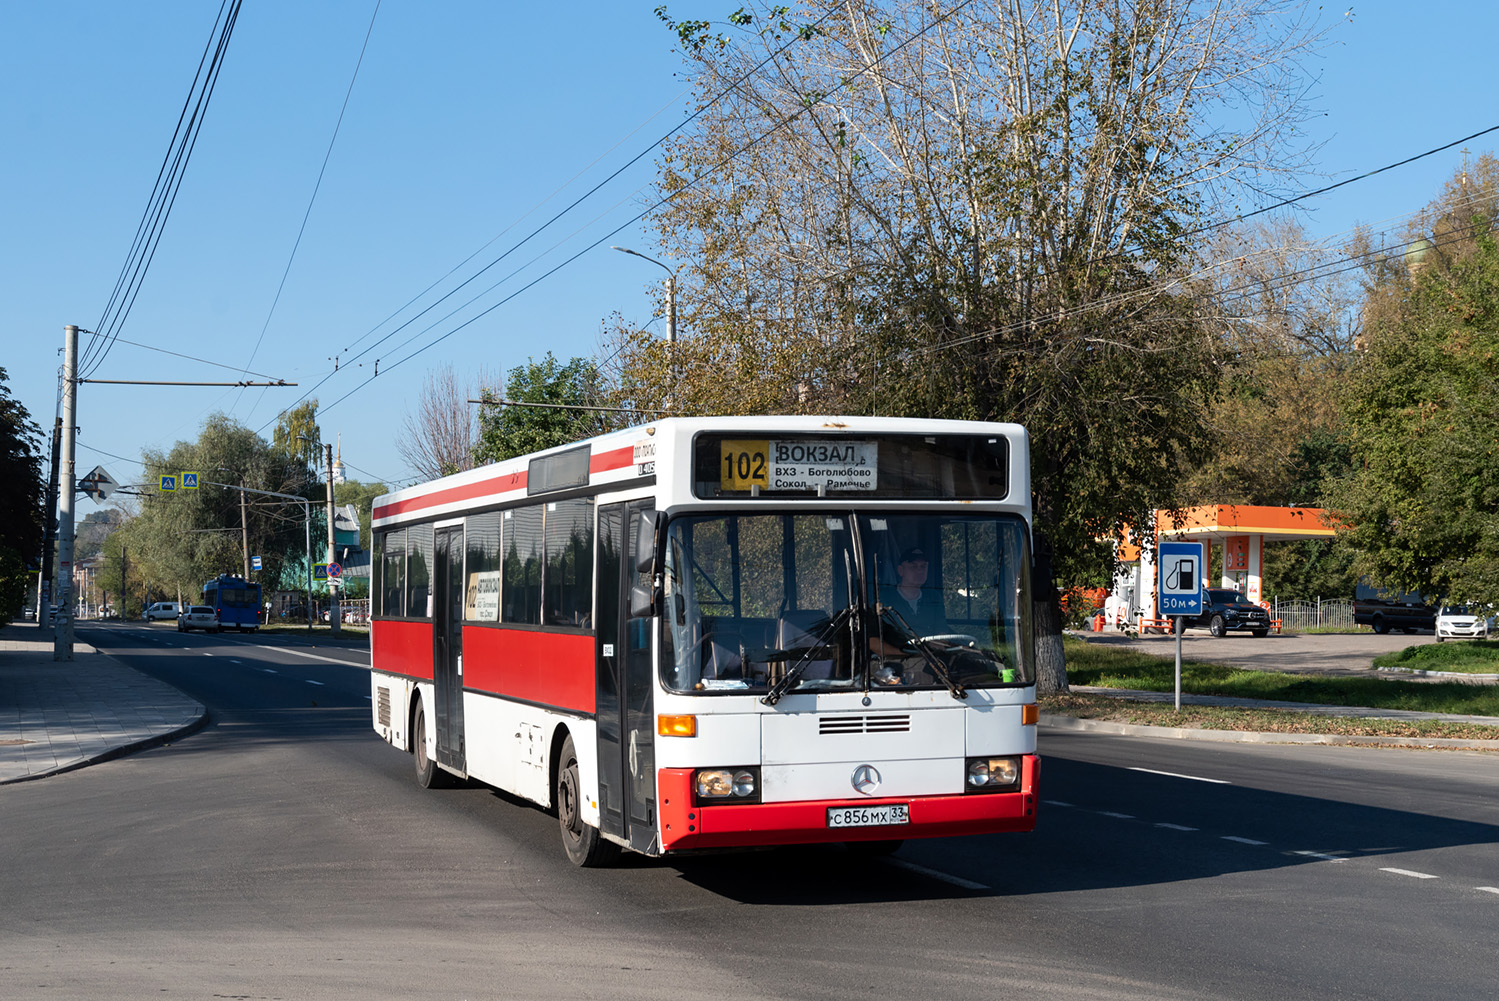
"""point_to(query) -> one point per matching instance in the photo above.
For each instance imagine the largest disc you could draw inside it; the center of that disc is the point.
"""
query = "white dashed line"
(208, 655)
(1244, 841)
(311, 682)
(1055, 802)
(233, 661)
(966, 884)
(1120, 816)
(1176, 827)
(311, 656)
(1411, 873)
(267, 670)
(1487, 889)
(1321, 856)
(1179, 775)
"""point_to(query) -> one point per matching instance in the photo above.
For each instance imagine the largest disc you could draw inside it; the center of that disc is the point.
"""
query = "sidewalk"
(57, 716)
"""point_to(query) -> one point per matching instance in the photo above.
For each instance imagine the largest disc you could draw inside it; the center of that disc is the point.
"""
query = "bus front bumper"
(685, 825)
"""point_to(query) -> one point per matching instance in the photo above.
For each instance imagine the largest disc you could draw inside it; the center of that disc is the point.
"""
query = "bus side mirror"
(640, 602)
(645, 543)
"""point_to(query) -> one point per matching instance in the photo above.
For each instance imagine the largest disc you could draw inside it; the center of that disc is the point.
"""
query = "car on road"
(204, 617)
(1224, 608)
(162, 610)
(1461, 622)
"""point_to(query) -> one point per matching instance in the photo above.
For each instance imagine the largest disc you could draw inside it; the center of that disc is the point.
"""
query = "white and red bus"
(723, 632)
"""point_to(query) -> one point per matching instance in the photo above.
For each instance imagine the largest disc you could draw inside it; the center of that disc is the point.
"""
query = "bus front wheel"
(582, 843)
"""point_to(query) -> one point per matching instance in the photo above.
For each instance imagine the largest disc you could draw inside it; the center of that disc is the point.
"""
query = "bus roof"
(633, 453)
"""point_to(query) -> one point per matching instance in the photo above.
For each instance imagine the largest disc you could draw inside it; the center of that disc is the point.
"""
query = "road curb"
(1258, 737)
(1454, 675)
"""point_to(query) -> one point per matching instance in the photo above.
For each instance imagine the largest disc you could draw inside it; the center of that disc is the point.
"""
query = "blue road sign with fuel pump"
(1180, 578)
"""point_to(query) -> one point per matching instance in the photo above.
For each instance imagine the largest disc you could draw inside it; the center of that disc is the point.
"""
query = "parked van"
(162, 610)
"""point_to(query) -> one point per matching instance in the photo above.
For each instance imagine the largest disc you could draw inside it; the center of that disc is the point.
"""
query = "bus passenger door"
(447, 629)
(625, 707)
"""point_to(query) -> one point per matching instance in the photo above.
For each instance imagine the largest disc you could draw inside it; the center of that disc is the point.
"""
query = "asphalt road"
(284, 851)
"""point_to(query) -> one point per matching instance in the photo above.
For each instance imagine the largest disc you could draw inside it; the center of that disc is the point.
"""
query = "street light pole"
(671, 307)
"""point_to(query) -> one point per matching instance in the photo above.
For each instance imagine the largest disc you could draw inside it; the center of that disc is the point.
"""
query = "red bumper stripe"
(684, 825)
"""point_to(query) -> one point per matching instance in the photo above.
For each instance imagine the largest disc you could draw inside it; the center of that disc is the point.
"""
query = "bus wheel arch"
(582, 843)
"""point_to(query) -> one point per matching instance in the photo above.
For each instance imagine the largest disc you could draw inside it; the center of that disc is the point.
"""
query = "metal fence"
(1320, 614)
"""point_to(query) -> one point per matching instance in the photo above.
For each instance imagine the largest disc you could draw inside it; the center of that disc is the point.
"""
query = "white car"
(1459, 622)
(204, 617)
(162, 610)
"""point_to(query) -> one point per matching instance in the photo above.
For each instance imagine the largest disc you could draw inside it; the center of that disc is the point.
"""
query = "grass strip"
(1086, 705)
(1112, 667)
(1461, 656)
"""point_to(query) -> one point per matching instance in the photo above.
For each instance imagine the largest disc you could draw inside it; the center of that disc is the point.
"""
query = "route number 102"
(745, 464)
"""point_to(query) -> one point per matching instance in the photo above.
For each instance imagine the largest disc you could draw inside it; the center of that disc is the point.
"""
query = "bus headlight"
(992, 774)
(740, 785)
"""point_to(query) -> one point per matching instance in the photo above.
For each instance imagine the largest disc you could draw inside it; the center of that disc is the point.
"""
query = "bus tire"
(874, 849)
(428, 775)
(583, 844)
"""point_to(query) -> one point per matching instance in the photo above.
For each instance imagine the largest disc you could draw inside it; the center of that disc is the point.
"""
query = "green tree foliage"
(297, 435)
(1421, 505)
(181, 539)
(505, 432)
(21, 491)
(977, 212)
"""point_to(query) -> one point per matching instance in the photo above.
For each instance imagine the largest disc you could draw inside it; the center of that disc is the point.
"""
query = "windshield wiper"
(819, 645)
(938, 666)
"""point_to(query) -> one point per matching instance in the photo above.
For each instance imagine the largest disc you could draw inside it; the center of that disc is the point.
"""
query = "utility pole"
(62, 636)
(44, 582)
(244, 534)
(335, 616)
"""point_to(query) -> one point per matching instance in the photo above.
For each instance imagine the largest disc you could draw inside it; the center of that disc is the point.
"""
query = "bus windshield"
(845, 600)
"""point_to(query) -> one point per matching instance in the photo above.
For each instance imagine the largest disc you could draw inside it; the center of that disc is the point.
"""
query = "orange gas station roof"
(1219, 521)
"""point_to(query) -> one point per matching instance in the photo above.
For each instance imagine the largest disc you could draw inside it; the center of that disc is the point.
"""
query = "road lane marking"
(1179, 775)
(1487, 889)
(1120, 816)
(1176, 827)
(1055, 802)
(1410, 872)
(1320, 855)
(208, 655)
(966, 884)
(311, 682)
(1244, 841)
(313, 656)
(233, 661)
(267, 670)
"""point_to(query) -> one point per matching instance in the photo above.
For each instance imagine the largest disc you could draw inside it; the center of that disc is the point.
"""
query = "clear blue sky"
(465, 117)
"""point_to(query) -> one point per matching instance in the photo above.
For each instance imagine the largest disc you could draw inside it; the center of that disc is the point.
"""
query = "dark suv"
(1224, 609)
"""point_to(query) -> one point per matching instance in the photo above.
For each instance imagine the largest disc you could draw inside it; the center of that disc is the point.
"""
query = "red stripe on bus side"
(617, 459)
(484, 488)
(402, 648)
(554, 669)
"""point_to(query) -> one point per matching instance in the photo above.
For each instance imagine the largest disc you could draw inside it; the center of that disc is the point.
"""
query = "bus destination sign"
(803, 464)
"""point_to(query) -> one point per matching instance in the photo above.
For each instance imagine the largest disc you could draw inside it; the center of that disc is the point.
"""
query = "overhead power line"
(164, 193)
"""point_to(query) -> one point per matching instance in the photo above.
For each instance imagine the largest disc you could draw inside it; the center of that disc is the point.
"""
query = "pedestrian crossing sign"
(189, 481)
(168, 482)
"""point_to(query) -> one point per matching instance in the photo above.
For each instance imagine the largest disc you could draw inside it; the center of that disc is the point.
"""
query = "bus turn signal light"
(676, 726)
(1029, 715)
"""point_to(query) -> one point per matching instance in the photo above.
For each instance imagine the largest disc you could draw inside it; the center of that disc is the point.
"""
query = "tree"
(21, 491)
(982, 213)
(1421, 505)
(297, 435)
(438, 440)
(506, 431)
(180, 539)
(362, 496)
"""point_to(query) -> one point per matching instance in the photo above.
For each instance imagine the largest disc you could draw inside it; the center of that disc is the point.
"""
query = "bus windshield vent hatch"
(863, 724)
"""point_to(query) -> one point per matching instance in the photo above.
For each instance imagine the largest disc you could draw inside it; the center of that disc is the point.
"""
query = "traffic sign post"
(320, 571)
(1179, 569)
(189, 480)
(168, 482)
(255, 563)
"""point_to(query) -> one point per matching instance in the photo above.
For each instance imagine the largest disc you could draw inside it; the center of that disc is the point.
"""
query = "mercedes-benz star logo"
(866, 779)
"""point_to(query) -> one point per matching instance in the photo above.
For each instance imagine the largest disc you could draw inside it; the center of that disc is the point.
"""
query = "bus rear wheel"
(583, 844)
(428, 775)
